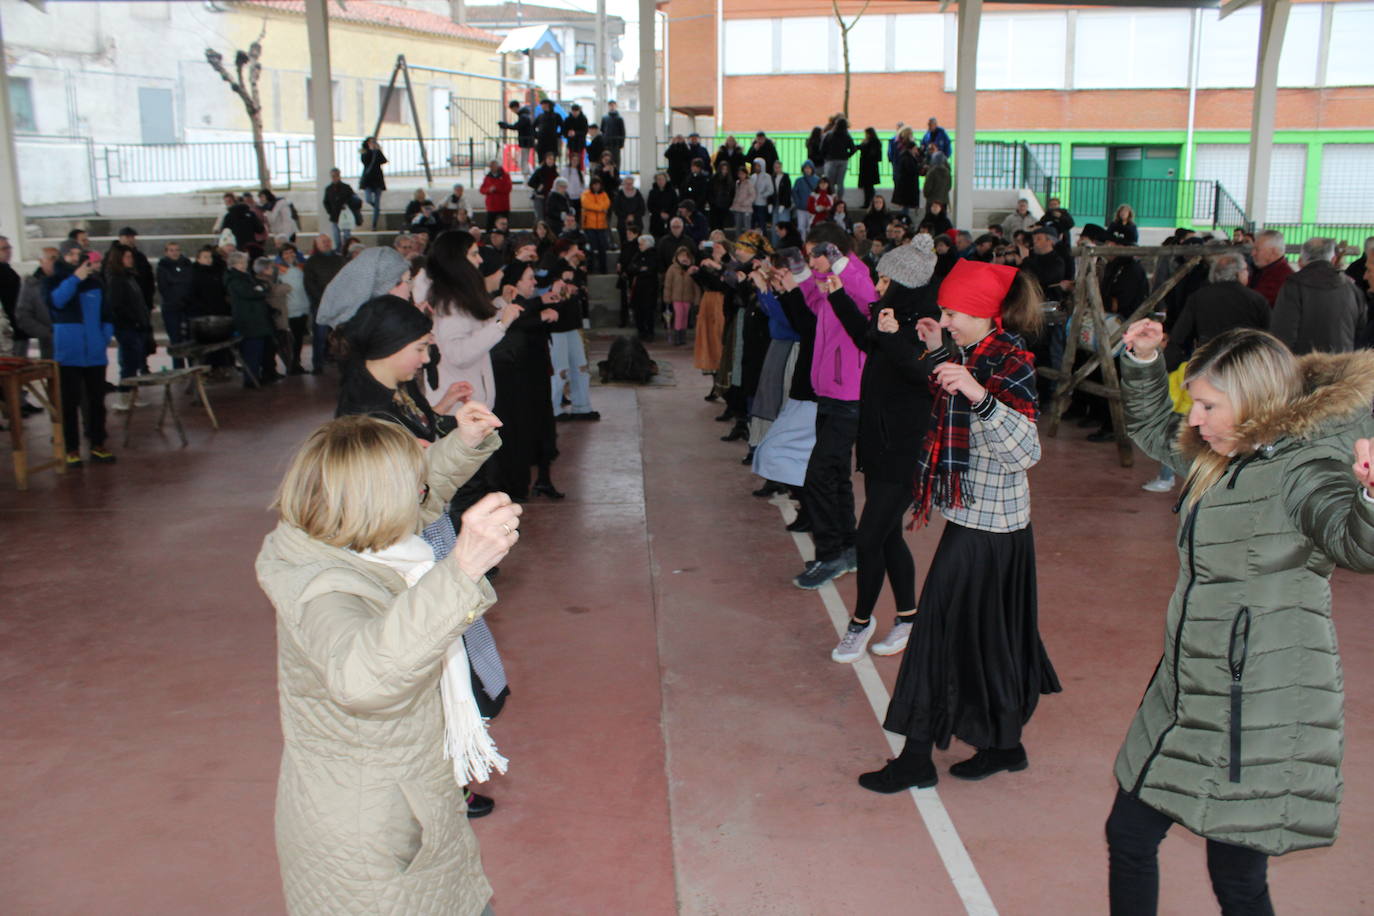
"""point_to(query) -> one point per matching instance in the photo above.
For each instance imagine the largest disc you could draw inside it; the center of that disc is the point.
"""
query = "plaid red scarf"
(1001, 364)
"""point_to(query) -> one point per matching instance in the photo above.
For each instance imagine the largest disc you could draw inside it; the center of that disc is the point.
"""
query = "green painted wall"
(1313, 140)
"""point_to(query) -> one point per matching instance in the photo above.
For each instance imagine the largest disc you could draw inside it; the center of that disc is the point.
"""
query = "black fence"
(1156, 201)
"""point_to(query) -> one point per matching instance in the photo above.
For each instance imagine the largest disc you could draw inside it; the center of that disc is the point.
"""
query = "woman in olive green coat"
(1240, 733)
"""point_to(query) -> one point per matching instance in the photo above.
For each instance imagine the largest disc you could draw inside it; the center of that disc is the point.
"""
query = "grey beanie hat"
(372, 273)
(911, 265)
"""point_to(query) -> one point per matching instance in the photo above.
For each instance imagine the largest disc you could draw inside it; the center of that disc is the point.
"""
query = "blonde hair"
(355, 483)
(1257, 372)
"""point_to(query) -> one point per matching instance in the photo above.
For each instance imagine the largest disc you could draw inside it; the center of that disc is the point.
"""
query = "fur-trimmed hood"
(1336, 388)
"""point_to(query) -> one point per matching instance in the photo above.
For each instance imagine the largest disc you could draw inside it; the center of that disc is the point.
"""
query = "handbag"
(346, 220)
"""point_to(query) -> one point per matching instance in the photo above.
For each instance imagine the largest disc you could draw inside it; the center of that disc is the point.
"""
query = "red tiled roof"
(369, 13)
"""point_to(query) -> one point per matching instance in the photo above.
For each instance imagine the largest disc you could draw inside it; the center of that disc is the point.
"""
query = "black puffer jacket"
(894, 391)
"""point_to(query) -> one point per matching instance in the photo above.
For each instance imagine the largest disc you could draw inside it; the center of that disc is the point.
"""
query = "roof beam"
(1231, 6)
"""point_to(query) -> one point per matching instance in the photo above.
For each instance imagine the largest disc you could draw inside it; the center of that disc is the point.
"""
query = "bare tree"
(844, 43)
(247, 90)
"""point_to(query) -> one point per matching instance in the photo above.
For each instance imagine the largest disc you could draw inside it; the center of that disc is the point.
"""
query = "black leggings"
(1134, 832)
(881, 548)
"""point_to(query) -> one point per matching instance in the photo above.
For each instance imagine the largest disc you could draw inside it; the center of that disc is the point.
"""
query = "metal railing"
(999, 164)
(1351, 235)
(1160, 200)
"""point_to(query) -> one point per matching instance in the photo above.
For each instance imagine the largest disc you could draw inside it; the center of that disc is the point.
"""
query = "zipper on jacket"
(839, 377)
(1189, 532)
(1235, 660)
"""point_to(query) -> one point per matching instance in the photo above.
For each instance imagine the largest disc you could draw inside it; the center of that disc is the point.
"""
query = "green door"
(1147, 179)
(1086, 189)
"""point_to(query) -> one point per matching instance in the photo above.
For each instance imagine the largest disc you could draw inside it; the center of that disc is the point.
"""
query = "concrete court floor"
(680, 740)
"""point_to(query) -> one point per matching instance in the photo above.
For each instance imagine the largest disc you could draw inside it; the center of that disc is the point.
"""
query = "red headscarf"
(977, 288)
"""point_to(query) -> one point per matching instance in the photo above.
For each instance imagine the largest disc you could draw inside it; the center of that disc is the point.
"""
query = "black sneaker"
(478, 805)
(587, 416)
(819, 572)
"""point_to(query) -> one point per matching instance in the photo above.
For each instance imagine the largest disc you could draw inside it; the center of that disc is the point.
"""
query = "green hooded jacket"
(1240, 733)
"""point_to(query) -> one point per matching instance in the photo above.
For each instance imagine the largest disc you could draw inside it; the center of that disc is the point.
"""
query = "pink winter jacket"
(838, 364)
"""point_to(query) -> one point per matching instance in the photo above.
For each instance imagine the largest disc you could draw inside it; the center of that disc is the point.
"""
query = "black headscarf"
(382, 326)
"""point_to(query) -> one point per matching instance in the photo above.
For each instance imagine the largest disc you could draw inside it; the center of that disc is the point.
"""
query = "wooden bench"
(199, 354)
(194, 375)
(40, 377)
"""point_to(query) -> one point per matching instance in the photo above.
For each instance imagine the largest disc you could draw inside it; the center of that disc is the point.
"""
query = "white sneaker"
(852, 644)
(1158, 485)
(122, 401)
(894, 641)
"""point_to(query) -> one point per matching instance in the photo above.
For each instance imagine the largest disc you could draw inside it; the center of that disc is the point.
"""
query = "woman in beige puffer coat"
(370, 818)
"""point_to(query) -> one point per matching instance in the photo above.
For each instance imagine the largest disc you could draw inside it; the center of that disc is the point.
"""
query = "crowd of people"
(889, 336)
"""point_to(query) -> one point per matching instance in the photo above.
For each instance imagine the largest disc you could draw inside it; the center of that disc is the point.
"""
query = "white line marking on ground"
(953, 853)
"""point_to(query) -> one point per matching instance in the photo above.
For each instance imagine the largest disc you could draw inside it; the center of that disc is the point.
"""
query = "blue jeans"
(599, 241)
(319, 347)
(133, 351)
(570, 365)
(373, 198)
(254, 350)
(175, 323)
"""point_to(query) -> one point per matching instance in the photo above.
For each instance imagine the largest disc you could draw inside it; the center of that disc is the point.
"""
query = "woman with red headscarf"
(974, 667)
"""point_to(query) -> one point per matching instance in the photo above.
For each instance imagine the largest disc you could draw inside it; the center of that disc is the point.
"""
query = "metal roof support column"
(1273, 23)
(648, 94)
(965, 111)
(11, 207)
(321, 93)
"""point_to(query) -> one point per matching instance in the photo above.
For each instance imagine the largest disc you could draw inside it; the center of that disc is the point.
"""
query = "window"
(337, 102)
(1347, 187)
(584, 58)
(867, 45)
(155, 118)
(21, 103)
(1229, 163)
(748, 46)
(1119, 50)
(920, 42)
(1019, 52)
(1349, 62)
(395, 112)
(1301, 44)
(1229, 50)
(805, 45)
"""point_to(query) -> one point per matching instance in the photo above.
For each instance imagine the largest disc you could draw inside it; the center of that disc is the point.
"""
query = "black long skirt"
(974, 667)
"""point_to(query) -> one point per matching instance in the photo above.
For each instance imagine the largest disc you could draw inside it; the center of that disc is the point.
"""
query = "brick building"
(1096, 90)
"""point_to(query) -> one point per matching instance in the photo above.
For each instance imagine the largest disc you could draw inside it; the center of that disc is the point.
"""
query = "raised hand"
(475, 423)
(1143, 338)
(955, 378)
(490, 529)
(928, 329)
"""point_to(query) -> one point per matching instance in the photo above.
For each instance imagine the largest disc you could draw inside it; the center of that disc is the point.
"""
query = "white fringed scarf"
(466, 741)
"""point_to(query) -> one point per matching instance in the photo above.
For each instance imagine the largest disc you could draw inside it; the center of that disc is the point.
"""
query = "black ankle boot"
(546, 488)
(738, 432)
(749, 458)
